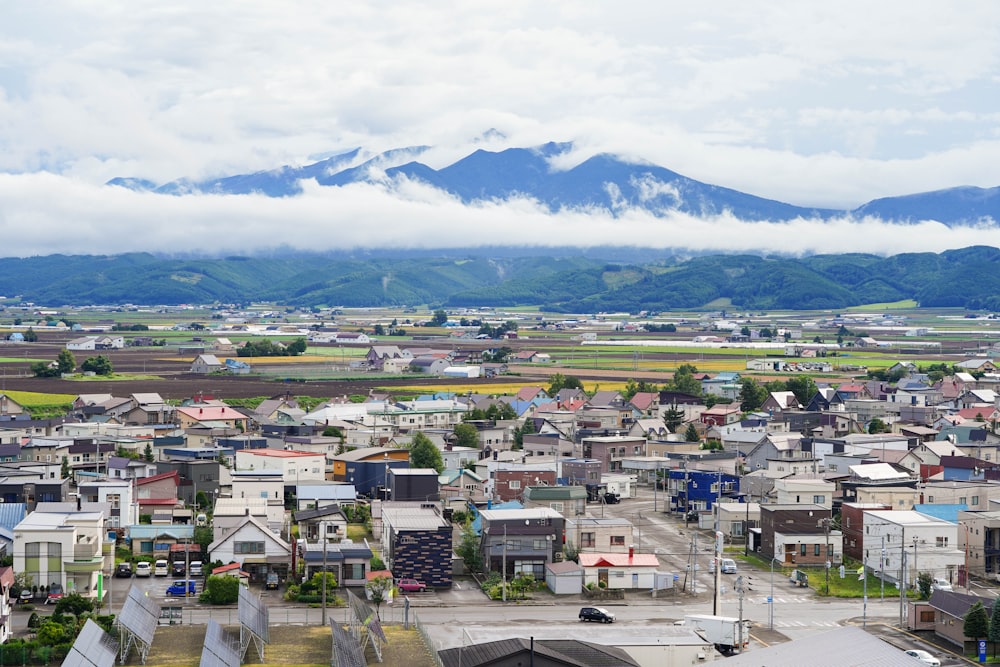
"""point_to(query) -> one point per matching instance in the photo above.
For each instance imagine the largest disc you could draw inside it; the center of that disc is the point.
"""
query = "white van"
(195, 568)
(161, 568)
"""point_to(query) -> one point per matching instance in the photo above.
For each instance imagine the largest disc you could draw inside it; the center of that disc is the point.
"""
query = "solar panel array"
(221, 649)
(347, 651)
(375, 628)
(253, 614)
(93, 648)
(360, 609)
(137, 623)
(366, 625)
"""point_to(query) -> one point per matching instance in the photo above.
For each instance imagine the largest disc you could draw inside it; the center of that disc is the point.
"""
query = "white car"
(924, 657)
(941, 585)
(143, 569)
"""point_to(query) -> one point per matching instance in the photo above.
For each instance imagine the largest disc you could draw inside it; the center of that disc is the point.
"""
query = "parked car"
(924, 657)
(26, 596)
(161, 568)
(941, 585)
(612, 499)
(728, 566)
(178, 587)
(272, 581)
(411, 586)
(178, 569)
(124, 570)
(55, 594)
(195, 568)
(596, 614)
(143, 569)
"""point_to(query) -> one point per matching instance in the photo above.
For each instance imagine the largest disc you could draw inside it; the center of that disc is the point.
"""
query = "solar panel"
(375, 627)
(139, 615)
(347, 651)
(93, 648)
(221, 649)
(253, 614)
(360, 609)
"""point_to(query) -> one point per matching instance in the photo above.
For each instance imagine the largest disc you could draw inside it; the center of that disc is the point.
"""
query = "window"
(942, 541)
(248, 547)
(975, 500)
(617, 540)
(819, 500)
(514, 484)
(538, 545)
(803, 552)
(927, 616)
(557, 506)
(829, 551)
(587, 540)
(848, 520)
(514, 545)
(354, 571)
(930, 499)
(816, 551)
(961, 501)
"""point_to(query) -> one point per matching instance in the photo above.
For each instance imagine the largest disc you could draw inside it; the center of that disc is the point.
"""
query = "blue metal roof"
(945, 512)
(12, 514)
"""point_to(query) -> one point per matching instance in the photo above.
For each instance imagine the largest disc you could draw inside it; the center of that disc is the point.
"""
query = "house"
(9, 406)
(417, 543)
(720, 414)
(257, 549)
(610, 450)
(6, 603)
(980, 540)
(801, 490)
(64, 548)
(800, 535)
(157, 494)
(519, 541)
(154, 541)
(349, 563)
(628, 570)
(237, 367)
(934, 541)
(950, 609)
(599, 535)
(736, 519)
(567, 500)
(224, 415)
(510, 480)
(230, 512)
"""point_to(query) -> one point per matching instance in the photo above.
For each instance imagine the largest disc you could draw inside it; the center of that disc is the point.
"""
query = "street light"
(770, 599)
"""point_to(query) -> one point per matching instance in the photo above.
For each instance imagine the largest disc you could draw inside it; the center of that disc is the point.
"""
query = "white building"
(804, 491)
(64, 548)
(914, 543)
(295, 467)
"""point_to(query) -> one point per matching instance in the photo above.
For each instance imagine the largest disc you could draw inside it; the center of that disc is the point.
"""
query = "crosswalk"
(779, 600)
(778, 623)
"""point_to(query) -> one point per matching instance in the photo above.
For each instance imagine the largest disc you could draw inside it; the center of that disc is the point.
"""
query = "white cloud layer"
(826, 106)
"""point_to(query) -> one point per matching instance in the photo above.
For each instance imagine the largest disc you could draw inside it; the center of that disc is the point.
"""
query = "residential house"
(11, 514)
(800, 535)
(206, 363)
(324, 523)
(736, 519)
(537, 652)
(257, 549)
(509, 481)
(610, 450)
(9, 406)
(229, 513)
(525, 539)
(417, 543)
(155, 540)
(570, 501)
(268, 485)
(801, 490)
(780, 401)
(950, 610)
(6, 603)
(226, 416)
(852, 525)
(64, 548)
(934, 541)
(630, 571)
(462, 483)
(599, 534)
(347, 561)
(413, 485)
(157, 495)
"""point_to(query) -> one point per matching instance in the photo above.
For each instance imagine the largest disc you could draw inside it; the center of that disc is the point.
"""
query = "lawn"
(33, 398)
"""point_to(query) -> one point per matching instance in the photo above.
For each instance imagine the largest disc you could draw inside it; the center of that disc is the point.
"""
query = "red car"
(411, 586)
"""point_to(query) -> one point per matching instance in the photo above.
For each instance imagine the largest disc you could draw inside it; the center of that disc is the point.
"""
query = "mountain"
(603, 182)
(568, 282)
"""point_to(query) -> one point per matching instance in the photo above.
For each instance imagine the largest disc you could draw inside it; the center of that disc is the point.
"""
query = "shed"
(564, 578)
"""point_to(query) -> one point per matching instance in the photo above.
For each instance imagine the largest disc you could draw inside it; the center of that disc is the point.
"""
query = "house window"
(354, 571)
(514, 545)
(816, 549)
(832, 467)
(617, 540)
(942, 541)
(819, 500)
(557, 507)
(248, 547)
(930, 499)
(829, 551)
(802, 549)
(514, 484)
(538, 545)
(961, 501)
(927, 616)
(587, 540)
(848, 520)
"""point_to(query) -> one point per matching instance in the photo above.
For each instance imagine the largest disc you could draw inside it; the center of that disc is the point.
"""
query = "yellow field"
(506, 389)
(31, 398)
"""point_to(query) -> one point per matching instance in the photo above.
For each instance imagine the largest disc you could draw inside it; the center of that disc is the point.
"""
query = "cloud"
(828, 106)
(400, 213)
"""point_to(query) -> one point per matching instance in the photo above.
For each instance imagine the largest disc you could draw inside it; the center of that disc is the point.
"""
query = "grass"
(848, 587)
(114, 377)
(31, 399)
(357, 532)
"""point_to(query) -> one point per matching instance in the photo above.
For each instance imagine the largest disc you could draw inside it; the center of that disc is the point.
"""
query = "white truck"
(723, 631)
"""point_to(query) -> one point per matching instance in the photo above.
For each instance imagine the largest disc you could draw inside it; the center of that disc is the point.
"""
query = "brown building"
(852, 524)
(610, 450)
(797, 534)
(509, 484)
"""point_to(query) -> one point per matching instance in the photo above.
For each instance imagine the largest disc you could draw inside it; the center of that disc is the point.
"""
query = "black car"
(124, 570)
(596, 614)
(178, 569)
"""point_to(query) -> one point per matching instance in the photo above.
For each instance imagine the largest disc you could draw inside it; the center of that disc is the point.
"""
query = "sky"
(819, 105)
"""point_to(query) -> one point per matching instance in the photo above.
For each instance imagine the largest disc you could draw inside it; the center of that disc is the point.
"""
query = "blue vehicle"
(178, 587)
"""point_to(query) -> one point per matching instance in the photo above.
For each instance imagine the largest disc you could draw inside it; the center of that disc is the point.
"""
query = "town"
(563, 478)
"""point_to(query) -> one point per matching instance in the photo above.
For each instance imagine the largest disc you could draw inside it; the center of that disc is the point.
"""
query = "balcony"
(84, 566)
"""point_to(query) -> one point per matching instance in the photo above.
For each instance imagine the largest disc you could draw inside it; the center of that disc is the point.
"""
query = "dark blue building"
(696, 490)
(370, 478)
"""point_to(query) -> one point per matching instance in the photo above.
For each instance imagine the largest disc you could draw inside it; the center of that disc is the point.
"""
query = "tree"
(468, 548)
(876, 425)
(527, 428)
(220, 590)
(378, 589)
(752, 395)
(379, 331)
(803, 387)
(64, 471)
(673, 418)
(99, 365)
(977, 622)
(65, 362)
(424, 453)
(296, 347)
(29, 336)
(691, 434)
(684, 380)
(75, 604)
(558, 382)
(466, 435)
(924, 583)
(439, 318)
(994, 634)
(147, 453)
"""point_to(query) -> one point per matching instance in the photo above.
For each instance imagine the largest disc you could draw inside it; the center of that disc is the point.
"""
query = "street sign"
(982, 650)
(769, 600)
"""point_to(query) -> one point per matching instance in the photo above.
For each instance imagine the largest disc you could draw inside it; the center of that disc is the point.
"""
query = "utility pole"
(881, 569)
(504, 562)
(902, 576)
(739, 591)
(717, 601)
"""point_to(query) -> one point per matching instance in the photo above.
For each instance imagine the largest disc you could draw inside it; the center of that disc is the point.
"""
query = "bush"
(220, 590)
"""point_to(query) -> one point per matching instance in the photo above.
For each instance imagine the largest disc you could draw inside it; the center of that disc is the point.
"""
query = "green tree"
(691, 434)
(220, 590)
(924, 583)
(379, 330)
(994, 634)
(752, 395)
(64, 471)
(65, 362)
(673, 418)
(684, 380)
(296, 347)
(75, 604)
(147, 453)
(466, 435)
(378, 591)
(977, 622)
(424, 453)
(556, 381)
(439, 318)
(527, 428)
(876, 425)
(803, 387)
(99, 365)
(51, 633)
(468, 548)
(29, 336)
